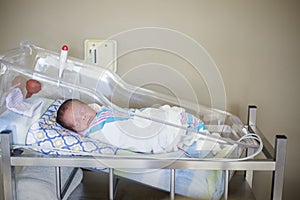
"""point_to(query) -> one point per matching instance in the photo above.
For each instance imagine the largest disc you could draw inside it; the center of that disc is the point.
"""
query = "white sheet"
(19, 124)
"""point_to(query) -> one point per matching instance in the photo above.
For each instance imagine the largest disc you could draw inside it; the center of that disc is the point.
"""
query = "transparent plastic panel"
(93, 84)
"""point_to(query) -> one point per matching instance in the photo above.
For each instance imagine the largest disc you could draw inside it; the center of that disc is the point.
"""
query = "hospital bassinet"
(93, 84)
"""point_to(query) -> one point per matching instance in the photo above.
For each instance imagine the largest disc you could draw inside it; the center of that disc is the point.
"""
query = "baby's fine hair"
(60, 116)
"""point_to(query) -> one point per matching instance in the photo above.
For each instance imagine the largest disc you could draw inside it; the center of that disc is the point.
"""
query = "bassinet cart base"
(274, 161)
(94, 186)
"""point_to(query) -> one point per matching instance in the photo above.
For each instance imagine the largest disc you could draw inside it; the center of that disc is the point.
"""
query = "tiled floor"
(95, 186)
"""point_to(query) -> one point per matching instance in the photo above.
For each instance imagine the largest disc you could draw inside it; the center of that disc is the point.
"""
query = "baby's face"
(79, 116)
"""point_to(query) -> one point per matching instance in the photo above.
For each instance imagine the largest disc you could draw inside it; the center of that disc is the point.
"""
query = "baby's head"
(75, 115)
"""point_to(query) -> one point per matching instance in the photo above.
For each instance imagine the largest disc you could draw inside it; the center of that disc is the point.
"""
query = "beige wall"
(255, 45)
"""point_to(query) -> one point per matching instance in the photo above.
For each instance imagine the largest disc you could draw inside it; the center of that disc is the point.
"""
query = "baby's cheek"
(83, 127)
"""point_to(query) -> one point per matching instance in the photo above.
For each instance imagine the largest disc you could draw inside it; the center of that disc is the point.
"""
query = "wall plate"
(101, 52)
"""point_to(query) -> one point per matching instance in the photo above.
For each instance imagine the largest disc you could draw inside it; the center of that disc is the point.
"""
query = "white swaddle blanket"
(138, 134)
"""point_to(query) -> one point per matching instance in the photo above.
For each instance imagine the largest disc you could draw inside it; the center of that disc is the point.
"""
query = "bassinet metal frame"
(274, 161)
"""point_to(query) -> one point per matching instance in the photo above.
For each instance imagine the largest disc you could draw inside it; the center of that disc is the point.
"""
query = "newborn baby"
(75, 115)
(129, 131)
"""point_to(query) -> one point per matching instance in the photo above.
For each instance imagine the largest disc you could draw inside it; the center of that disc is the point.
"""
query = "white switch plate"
(101, 52)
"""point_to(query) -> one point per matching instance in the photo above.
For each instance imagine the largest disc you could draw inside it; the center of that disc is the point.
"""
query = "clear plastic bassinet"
(93, 84)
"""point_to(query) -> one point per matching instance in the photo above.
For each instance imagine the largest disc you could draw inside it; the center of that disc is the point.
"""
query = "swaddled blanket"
(136, 133)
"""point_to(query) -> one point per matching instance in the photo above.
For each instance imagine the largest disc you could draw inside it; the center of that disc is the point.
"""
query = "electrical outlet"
(101, 52)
